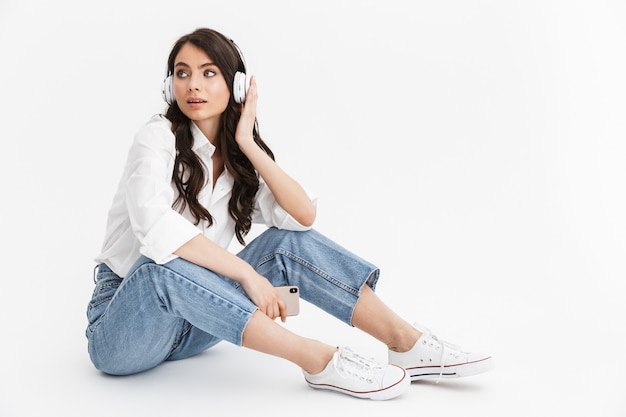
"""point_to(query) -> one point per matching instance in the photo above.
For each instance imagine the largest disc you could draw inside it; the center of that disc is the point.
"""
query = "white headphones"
(241, 84)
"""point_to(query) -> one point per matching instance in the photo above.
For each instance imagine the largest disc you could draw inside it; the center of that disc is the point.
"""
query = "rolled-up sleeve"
(269, 212)
(159, 228)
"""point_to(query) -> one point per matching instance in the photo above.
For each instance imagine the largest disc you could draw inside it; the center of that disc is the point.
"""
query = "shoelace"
(452, 350)
(349, 364)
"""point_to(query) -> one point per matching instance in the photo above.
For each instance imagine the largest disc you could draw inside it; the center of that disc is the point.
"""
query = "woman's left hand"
(245, 127)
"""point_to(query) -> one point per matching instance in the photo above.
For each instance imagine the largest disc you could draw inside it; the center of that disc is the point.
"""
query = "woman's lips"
(195, 102)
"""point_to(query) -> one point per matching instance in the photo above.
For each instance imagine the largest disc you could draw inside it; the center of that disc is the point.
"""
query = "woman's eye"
(181, 74)
(209, 73)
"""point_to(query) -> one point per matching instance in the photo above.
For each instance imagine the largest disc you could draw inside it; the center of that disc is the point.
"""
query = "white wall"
(473, 149)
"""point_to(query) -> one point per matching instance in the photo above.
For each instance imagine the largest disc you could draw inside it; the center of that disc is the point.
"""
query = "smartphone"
(291, 296)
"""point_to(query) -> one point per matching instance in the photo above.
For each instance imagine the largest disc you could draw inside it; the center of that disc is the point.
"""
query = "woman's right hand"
(204, 252)
(266, 297)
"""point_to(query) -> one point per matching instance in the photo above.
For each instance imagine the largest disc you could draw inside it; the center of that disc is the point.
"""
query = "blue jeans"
(179, 309)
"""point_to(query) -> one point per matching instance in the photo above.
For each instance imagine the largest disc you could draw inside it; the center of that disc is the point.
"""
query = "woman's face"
(199, 86)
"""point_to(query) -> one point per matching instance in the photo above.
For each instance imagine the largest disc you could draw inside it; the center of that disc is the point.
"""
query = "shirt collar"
(201, 145)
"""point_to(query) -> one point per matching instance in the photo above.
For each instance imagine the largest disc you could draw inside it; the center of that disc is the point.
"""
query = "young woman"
(167, 288)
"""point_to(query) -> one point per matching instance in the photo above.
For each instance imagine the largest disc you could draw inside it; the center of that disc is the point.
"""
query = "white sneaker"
(355, 375)
(431, 358)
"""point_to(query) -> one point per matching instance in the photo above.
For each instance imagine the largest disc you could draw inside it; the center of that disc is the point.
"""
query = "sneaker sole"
(451, 371)
(379, 395)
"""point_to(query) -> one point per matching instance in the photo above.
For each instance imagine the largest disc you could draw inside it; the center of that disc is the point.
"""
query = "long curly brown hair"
(189, 171)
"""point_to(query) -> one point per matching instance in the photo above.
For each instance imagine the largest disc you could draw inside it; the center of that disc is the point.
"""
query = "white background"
(474, 150)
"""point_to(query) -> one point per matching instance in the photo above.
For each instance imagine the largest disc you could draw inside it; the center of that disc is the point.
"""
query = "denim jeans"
(179, 309)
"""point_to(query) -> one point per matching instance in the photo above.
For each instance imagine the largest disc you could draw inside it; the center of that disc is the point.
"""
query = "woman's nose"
(194, 84)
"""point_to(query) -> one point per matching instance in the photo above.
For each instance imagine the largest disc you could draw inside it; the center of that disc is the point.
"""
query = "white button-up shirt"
(141, 219)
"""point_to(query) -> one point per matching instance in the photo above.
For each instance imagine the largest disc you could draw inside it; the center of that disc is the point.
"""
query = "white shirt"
(141, 219)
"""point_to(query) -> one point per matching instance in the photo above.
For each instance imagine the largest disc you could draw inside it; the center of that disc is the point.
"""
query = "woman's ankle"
(320, 359)
(405, 340)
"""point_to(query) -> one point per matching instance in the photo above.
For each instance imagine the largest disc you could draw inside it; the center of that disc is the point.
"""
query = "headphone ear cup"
(167, 90)
(241, 83)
